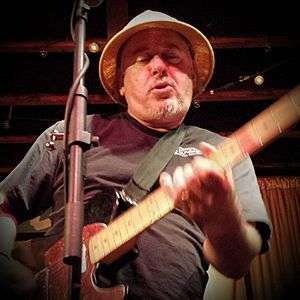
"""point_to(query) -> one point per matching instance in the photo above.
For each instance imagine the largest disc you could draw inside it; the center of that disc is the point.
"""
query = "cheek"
(134, 84)
(181, 75)
(184, 80)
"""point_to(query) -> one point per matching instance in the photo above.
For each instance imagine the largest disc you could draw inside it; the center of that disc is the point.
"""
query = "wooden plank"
(117, 15)
(261, 169)
(94, 99)
(117, 23)
(18, 139)
(29, 139)
(46, 46)
(254, 42)
(241, 95)
(47, 99)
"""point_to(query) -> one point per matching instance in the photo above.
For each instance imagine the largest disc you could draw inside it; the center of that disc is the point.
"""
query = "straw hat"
(201, 47)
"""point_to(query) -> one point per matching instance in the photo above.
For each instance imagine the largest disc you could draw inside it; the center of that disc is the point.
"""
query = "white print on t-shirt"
(189, 151)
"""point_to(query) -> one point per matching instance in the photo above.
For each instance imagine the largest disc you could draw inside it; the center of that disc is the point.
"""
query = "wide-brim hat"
(200, 46)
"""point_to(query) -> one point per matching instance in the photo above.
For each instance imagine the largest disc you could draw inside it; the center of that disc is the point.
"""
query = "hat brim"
(201, 47)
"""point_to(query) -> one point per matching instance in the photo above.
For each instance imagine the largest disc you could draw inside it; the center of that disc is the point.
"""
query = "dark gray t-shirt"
(170, 263)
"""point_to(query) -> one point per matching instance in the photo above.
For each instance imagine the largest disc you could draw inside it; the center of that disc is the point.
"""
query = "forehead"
(155, 38)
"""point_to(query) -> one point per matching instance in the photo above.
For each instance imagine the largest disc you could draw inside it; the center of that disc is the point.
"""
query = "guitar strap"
(148, 170)
(145, 175)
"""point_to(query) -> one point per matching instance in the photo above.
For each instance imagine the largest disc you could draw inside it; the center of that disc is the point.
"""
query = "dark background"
(249, 37)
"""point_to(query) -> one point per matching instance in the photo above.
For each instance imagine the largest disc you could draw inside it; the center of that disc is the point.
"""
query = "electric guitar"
(106, 245)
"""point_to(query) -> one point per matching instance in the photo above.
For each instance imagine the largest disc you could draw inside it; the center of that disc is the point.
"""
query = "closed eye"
(143, 58)
(173, 59)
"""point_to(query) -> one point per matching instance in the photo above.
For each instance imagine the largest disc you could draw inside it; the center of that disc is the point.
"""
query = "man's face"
(158, 74)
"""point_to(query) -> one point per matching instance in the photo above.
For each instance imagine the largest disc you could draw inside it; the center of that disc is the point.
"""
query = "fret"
(132, 220)
(296, 102)
(99, 243)
(94, 252)
(105, 240)
(168, 201)
(229, 152)
(141, 216)
(148, 211)
(219, 157)
(265, 127)
(163, 205)
(239, 144)
(246, 140)
(141, 221)
(128, 225)
(115, 233)
(122, 229)
(256, 133)
(275, 120)
(157, 207)
(95, 245)
(152, 210)
(244, 143)
(284, 112)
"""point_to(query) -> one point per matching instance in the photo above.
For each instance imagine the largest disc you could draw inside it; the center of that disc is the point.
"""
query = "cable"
(67, 117)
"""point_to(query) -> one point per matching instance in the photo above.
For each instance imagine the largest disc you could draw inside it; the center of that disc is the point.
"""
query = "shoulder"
(194, 134)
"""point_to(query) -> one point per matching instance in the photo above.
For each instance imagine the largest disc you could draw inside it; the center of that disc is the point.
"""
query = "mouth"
(162, 88)
(161, 85)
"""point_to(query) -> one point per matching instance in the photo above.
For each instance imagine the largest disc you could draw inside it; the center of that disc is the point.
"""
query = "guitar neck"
(128, 225)
(250, 138)
(260, 131)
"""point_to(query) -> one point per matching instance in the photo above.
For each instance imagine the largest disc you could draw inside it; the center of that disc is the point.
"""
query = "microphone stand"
(78, 140)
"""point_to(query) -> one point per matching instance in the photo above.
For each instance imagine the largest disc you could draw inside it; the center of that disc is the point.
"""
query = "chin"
(174, 106)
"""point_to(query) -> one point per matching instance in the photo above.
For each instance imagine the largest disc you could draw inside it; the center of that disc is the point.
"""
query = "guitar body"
(53, 279)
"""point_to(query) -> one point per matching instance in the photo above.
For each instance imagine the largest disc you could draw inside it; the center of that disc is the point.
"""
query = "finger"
(174, 186)
(193, 183)
(188, 171)
(179, 180)
(210, 175)
(207, 149)
(166, 183)
(203, 165)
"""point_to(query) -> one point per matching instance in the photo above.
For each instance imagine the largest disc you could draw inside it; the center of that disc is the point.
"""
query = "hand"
(205, 192)
(16, 280)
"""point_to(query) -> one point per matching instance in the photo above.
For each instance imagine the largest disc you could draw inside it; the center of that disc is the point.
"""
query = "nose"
(158, 66)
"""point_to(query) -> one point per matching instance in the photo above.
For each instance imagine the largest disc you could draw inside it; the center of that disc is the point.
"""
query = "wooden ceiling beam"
(59, 99)
(261, 169)
(217, 42)
(116, 15)
(254, 42)
(29, 139)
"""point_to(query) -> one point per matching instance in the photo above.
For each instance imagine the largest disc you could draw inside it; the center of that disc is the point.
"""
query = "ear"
(122, 91)
(119, 83)
(194, 75)
(195, 80)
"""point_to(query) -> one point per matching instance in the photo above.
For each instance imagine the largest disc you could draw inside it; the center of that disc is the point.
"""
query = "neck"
(152, 126)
